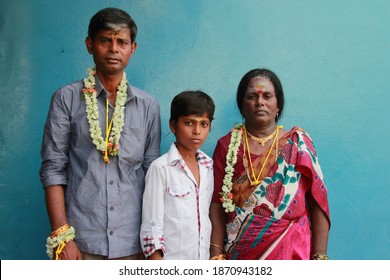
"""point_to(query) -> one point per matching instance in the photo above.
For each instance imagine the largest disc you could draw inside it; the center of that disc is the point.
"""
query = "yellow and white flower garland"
(58, 239)
(110, 145)
(231, 159)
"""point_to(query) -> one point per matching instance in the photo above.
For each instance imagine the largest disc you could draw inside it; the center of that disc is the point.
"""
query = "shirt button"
(111, 232)
(111, 182)
(153, 224)
(112, 208)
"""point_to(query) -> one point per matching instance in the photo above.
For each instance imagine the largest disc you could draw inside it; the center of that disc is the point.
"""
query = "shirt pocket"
(132, 144)
(80, 135)
(178, 200)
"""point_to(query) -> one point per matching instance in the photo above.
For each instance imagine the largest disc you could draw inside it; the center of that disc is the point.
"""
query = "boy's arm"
(153, 211)
(157, 255)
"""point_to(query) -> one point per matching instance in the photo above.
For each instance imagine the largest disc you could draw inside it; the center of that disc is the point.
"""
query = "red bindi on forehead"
(260, 88)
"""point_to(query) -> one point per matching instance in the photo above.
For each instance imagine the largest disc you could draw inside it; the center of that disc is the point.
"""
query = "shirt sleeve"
(152, 227)
(152, 145)
(55, 143)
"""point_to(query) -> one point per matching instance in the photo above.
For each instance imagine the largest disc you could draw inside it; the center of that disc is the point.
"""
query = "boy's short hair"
(192, 102)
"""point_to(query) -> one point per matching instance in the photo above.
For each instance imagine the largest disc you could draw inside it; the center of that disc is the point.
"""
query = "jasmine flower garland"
(111, 146)
(59, 241)
(231, 159)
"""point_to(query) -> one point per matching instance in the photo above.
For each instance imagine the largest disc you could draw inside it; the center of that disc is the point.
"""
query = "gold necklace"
(256, 179)
(262, 141)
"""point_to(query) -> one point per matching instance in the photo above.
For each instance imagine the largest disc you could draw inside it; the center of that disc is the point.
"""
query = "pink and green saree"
(271, 220)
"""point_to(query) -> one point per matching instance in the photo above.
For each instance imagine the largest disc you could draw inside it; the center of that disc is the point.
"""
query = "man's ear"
(88, 44)
(133, 48)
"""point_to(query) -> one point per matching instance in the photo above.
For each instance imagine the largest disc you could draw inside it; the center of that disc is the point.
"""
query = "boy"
(179, 184)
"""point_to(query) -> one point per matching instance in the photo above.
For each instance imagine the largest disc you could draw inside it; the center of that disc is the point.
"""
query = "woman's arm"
(319, 227)
(218, 222)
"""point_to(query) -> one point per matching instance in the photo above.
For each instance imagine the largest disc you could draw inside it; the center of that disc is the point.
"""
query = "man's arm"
(55, 204)
(53, 172)
(153, 141)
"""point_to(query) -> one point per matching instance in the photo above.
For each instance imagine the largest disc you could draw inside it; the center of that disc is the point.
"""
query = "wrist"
(319, 256)
(58, 239)
(218, 257)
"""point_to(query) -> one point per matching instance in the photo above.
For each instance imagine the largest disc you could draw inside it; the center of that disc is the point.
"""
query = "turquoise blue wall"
(332, 57)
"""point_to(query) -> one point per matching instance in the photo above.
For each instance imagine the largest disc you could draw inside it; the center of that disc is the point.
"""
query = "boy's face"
(191, 132)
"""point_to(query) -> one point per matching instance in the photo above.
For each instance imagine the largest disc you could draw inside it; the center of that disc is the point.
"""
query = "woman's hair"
(192, 102)
(268, 74)
(112, 18)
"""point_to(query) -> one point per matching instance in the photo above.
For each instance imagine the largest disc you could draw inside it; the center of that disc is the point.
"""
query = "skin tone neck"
(110, 82)
(261, 131)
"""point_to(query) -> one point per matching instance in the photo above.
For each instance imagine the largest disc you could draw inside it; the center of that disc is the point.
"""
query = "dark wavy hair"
(268, 74)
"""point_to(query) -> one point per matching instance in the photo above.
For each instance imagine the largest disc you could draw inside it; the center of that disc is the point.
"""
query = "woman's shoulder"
(296, 130)
(297, 134)
(302, 138)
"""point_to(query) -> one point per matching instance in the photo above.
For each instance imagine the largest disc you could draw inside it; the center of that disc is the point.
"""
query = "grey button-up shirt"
(103, 201)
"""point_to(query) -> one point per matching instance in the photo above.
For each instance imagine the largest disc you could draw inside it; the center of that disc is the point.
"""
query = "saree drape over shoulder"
(271, 219)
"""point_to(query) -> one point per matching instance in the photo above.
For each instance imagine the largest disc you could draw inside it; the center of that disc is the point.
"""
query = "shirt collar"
(174, 158)
(99, 89)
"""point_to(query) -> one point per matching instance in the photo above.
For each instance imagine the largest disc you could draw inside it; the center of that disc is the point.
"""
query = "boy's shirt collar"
(174, 157)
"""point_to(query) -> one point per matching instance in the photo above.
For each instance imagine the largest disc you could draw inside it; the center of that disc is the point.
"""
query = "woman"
(270, 199)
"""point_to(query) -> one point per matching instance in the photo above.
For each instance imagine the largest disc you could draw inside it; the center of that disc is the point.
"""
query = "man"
(100, 137)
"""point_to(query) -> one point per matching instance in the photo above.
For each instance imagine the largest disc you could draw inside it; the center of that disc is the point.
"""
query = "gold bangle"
(59, 230)
(318, 256)
(217, 246)
(218, 257)
(59, 241)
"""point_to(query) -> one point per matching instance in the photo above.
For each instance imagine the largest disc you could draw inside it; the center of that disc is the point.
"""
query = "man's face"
(111, 50)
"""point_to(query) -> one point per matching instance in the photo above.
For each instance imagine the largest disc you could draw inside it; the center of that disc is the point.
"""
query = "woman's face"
(260, 106)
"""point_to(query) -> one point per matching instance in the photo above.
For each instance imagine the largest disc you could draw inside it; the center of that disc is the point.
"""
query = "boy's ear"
(172, 126)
